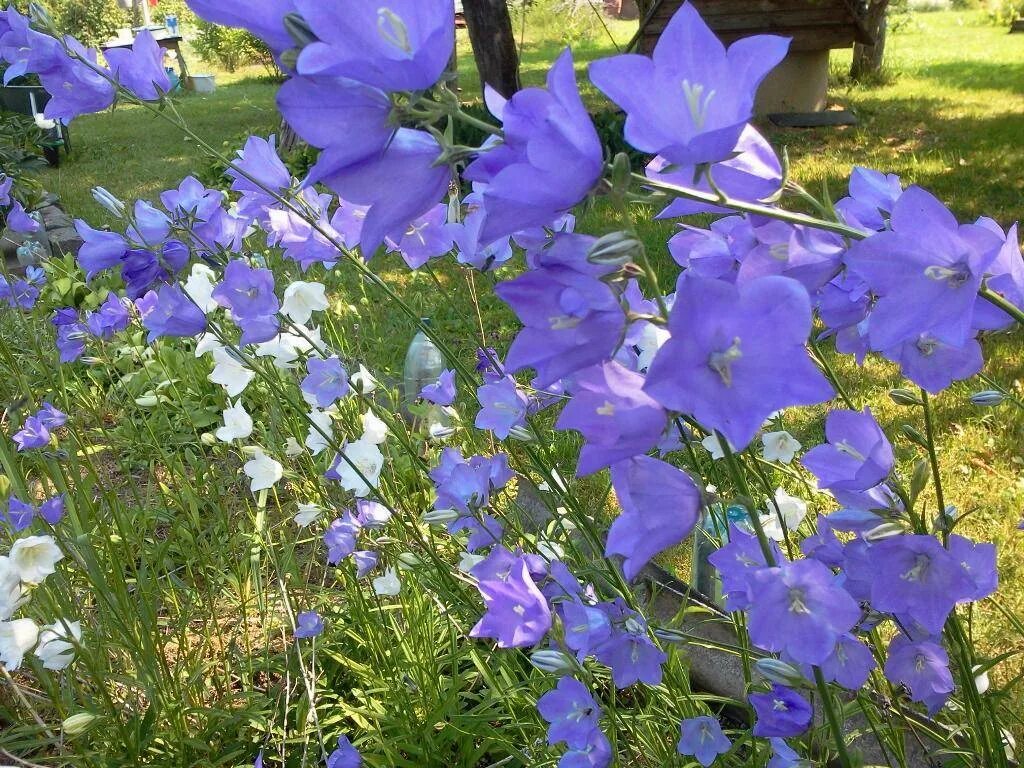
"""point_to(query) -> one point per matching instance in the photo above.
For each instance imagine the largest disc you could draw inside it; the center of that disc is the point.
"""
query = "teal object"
(711, 534)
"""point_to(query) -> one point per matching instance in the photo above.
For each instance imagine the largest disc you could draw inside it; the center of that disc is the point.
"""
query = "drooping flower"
(110, 318)
(321, 431)
(257, 169)
(549, 159)
(692, 99)
(780, 712)
(425, 238)
(263, 471)
(978, 560)
(857, 456)
(615, 416)
(933, 364)
(785, 513)
(517, 613)
(798, 608)
(737, 354)
(249, 293)
(18, 514)
(52, 510)
(230, 372)
(402, 46)
(388, 584)
(140, 69)
(308, 624)
(629, 651)
(19, 220)
(849, 664)
(76, 87)
(173, 314)
(326, 381)
(703, 739)
(926, 270)
(199, 287)
(264, 19)
(57, 644)
(922, 666)
(660, 506)
(570, 711)
(33, 434)
(737, 563)
(442, 391)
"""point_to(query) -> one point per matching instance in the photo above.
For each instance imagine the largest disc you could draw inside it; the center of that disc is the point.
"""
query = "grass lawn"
(950, 117)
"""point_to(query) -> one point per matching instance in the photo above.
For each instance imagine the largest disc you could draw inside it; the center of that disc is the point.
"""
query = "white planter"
(204, 83)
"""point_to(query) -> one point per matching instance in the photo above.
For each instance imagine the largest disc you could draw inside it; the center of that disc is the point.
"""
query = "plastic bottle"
(423, 364)
(711, 534)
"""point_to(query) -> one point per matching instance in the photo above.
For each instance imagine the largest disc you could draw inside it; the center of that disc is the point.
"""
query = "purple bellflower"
(752, 174)
(517, 613)
(737, 354)
(264, 19)
(872, 197)
(926, 272)
(33, 434)
(173, 314)
(18, 514)
(503, 407)
(18, 220)
(52, 510)
(74, 86)
(402, 46)
(737, 563)
(326, 381)
(799, 609)
(703, 739)
(549, 160)
(780, 712)
(616, 417)
(934, 364)
(140, 69)
(660, 507)
(308, 624)
(597, 753)
(345, 756)
(849, 664)
(258, 168)
(572, 320)
(100, 250)
(712, 89)
(857, 456)
(110, 318)
(442, 391)
(570, 711)
(923, 667)
(426, 238)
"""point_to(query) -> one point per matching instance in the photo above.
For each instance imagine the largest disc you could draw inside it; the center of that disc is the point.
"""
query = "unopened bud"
(208, 438)
(552, 661)
(780, 672)
(884, 531)
(905, 397)
(915, 435)
(439, 516)
(408, 561)
(80, 723)
(987, 398)
(108, 201)
(522, 434)
(615, 248)
(298, 29)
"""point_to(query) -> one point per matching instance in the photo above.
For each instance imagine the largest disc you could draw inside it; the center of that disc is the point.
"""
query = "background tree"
(494, 44)
(867, 59)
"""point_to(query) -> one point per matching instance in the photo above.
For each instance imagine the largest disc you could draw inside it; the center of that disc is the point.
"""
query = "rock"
(55, 218)
(50, 199)
(64, 241)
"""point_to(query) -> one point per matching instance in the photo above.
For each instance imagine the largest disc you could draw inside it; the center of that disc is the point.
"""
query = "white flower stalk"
(237, 424)
(363, 381)
(34, 558)
(307, 514)
(374, 430)
(12, 596)
(302, 299)
(17, 638)
(57, 643)
(713, 446)
(263, 471)
(321, 432)
(230, 373)
(779, 446)
(365, 457)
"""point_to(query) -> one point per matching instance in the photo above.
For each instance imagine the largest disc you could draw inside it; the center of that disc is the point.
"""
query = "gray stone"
(50, 199)
(64, 241)
(10, 241)
(55, 218)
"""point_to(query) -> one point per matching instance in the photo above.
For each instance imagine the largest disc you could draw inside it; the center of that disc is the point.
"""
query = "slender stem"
(994, 298)
(830, 374)
(833, 718)
(933, 460)
(755, 208)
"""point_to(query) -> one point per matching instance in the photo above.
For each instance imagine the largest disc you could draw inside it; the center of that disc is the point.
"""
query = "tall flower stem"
(933, 460)
(832, 716)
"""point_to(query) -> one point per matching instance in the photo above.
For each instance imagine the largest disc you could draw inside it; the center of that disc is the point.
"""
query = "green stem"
(833, 718)
(994, 298)
(933, 460)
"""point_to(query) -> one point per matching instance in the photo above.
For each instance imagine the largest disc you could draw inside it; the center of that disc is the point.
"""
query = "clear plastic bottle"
(711, 534)
(424, 362)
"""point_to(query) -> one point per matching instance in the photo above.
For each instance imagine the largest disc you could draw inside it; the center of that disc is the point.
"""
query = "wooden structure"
(799, 83)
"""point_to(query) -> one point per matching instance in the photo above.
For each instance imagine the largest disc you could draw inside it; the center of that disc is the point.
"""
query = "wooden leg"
(186, 79)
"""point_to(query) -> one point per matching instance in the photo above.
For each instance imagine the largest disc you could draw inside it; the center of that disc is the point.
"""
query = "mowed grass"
(949, 116)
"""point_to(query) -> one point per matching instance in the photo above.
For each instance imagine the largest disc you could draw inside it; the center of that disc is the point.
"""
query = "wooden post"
(867, 59)
(494, 44)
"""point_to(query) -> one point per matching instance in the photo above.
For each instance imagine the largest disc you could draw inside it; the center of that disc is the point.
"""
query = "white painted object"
(204, 83)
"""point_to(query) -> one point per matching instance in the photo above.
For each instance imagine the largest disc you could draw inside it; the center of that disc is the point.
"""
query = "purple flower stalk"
(780, 712)
(517, 613)
(308, 624)
(703, 739)
(857, 456)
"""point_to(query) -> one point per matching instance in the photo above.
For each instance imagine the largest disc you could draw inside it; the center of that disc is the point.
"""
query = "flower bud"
(108, 201)
(522, 434)
(5, 486)
(555, 662)
(617, 248)
(439, 516)
(905, 397)
(79, 724)
(779, 672)
(147, 401)
(987, 398)
(208, 439)
(407, 561)
(915, 435)
(884, 531)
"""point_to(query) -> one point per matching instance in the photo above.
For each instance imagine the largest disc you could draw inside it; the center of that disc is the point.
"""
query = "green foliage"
(1002, 12)
(91, 21)
(231, 48)
(20, 139)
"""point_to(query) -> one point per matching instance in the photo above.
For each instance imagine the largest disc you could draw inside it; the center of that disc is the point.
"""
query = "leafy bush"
(231, 48)
(91, 21)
